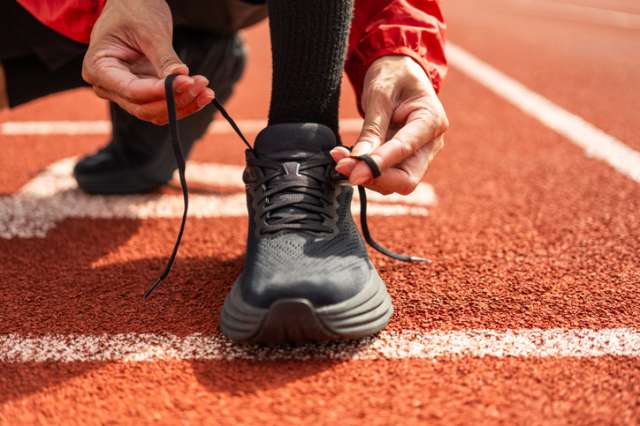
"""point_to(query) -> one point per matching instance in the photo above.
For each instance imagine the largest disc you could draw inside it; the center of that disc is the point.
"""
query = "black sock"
(308, 43)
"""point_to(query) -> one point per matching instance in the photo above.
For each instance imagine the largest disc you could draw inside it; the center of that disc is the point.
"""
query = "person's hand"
(403, 127)
(130, 54)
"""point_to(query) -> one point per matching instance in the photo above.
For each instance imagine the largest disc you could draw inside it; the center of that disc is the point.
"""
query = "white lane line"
(525, 343)
(595, 142)
(103, 127)
(52, 196)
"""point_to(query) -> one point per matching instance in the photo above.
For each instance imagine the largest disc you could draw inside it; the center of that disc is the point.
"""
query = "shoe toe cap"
(320, 287)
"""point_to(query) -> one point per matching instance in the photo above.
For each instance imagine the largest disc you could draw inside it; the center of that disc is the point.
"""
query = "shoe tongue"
(292, 143)
(294, 140)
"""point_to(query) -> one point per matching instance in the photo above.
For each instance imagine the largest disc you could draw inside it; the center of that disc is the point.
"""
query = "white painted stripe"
(52, 196)
(103, 127)
(19, 128)
(527, 343)
(595, 142)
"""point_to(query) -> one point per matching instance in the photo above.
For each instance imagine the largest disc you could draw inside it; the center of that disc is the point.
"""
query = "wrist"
(396, 64)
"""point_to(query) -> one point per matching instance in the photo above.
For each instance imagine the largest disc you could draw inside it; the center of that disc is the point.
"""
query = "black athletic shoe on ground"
(307, 275)
(140, 158)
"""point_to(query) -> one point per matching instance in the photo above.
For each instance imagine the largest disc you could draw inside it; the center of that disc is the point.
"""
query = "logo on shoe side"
(52, 196)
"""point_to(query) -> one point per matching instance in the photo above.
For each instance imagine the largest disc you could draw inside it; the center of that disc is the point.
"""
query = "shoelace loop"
(180, 160)
(301, 202)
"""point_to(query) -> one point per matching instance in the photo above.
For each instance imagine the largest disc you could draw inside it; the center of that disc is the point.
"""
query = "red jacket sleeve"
(72, 18)
(414, 28)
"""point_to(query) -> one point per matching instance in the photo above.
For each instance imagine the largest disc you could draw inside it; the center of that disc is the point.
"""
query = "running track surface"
(530, 313)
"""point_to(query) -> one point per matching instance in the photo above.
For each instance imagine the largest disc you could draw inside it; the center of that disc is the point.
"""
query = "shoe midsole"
(354, 316)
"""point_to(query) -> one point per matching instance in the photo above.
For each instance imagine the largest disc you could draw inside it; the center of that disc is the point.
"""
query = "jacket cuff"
(392, 41)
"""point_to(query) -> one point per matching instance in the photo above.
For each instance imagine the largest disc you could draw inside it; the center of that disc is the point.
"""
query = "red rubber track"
(528, 233)
(586, 67)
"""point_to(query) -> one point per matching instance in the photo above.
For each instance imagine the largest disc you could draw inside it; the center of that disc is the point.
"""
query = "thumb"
(166, 61)
(377, 115)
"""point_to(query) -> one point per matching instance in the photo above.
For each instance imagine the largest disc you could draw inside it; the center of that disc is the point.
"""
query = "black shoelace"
(291, 221)
(301, 203)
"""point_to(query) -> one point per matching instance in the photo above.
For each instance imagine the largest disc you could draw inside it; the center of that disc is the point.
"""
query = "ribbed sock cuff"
(308, 39)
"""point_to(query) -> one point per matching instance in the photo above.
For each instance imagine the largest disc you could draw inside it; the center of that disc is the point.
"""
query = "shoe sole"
(297, 320)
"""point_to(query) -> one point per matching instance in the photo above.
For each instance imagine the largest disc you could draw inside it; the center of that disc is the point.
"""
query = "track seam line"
(138, 347)
(595, 142)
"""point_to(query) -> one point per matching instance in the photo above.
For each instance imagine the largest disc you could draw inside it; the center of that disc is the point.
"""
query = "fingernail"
(361, 149)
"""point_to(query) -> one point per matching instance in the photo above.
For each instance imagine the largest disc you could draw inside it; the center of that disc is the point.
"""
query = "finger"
(155, 111)
(146, 111)
(205, 98)
(138, 90)
(162, 118)
(181, 85)
(344, 162)
(346, 166)
(200, 83)
(361, 172)
(196, 105)
(338, 153)
(377, 114)
(192, 108)
(193, 86)
(193, 91)
(142, 112)
(417, 131)
(393, 180)
(406, 177)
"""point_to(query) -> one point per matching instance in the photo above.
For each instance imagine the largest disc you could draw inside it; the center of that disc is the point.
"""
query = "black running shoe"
(139, 157)
(307, 275)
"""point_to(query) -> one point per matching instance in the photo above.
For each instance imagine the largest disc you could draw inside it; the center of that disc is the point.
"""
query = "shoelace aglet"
(418, 259)
(149, 291)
